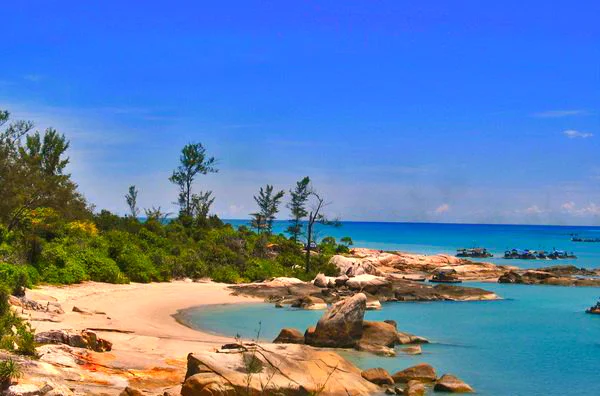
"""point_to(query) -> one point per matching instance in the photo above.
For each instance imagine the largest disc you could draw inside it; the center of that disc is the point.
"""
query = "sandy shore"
(138, 320)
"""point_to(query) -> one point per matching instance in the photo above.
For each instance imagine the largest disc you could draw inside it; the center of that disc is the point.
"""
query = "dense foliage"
(48, 233)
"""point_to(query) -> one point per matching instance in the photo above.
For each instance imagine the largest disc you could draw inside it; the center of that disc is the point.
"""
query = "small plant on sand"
(9, 370)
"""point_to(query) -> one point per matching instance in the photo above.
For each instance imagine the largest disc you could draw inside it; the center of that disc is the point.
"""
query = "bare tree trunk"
(309, 227)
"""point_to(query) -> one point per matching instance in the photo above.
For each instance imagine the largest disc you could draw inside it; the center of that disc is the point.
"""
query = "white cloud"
(559, 113)
(444, 208)
(534, 210)
(573, 134)
(590, 210)
(568, 206)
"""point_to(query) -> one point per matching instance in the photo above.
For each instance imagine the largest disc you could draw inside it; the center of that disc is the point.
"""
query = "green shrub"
(137, 266)
(16, 277)
(261, 269)
(226, 274)
(9, 370)
(101, 268)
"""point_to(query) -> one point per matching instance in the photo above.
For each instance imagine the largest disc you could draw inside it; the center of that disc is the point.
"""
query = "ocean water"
(537, 341)
(430, 238)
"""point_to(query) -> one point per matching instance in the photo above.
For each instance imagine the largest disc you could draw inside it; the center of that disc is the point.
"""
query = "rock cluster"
(556, 275)
(283, 369)
(414, 379)
(343, 326)
(83, 339)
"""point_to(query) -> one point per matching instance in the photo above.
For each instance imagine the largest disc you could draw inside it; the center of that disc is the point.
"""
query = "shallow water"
(537, 341)
(429, 238)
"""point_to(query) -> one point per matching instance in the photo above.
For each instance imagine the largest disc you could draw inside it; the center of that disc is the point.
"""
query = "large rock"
(354, 266)
(377, 376)
(342, 325)
(449, 383)
(289, 336)
(414, 388)
(421, 372)
(84, 339)
(129, 391)
(320, 281)
(379, 333)
(286, 370)
(368, 283)
(510, 277)
(310, 303)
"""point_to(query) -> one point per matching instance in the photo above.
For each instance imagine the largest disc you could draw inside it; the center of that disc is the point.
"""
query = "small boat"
(561, 254)
(474, 253)
(580, 239)
(594, 309)
(520, 254)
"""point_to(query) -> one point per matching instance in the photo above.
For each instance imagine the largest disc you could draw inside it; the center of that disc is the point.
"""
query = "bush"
(15, 334)
(137, 266)
(226, 274)
(9, 370)
(101, 268)
(16, 277)
(261, 269)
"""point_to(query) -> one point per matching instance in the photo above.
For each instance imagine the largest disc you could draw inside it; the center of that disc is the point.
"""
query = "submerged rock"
(378, 376)
(450, 383)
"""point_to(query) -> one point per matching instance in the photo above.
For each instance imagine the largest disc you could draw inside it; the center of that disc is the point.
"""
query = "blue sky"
(462, 111)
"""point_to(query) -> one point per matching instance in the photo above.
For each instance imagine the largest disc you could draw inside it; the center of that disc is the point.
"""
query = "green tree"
(193, 162)
(32, 173)
(297, 207)
(268, 205)
(131, 199)
(347, 241)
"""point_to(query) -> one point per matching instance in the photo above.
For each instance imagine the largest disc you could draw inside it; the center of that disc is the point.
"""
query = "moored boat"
(474, 253)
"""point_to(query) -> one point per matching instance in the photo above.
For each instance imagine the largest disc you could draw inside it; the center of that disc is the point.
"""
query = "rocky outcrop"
(284, 369)
(378, 376)
(450, 383)
(289, 336)
(354, 266)
(421, 372)
(26, 303)
(556, 275)
(84, 339)
(375, 262)
(341, 325)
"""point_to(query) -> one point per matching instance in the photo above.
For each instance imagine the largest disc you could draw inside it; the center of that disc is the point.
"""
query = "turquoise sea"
(536, 341)
(431, 238)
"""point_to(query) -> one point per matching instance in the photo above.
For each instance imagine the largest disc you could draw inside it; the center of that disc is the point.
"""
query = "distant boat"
(474, 253)
(581, 239)
(517, 254)
(594, 309)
